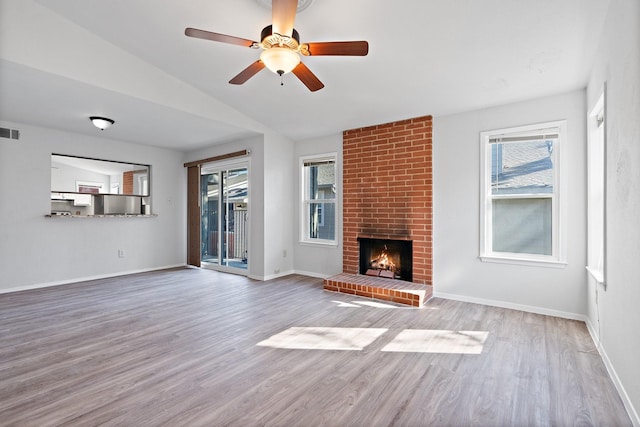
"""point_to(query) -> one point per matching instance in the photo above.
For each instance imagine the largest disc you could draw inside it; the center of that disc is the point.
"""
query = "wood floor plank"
(179, 347)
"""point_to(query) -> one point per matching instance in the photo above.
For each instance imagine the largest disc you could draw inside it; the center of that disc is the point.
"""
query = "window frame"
(305, 201)
(597, 191)
(558, 257)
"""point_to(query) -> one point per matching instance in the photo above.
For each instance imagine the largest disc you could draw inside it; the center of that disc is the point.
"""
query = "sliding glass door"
(224, 216)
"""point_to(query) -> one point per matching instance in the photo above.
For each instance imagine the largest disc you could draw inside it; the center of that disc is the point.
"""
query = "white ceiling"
(63, 60)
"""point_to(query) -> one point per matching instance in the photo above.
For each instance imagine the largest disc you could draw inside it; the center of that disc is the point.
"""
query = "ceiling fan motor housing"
(270, 39)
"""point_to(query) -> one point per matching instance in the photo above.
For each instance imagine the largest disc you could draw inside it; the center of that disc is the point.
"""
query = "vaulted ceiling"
(64, 60)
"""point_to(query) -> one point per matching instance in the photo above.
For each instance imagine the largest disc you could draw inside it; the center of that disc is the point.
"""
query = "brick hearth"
(399, 291)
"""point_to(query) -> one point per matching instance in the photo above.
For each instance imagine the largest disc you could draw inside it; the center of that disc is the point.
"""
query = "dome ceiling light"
(101, 123)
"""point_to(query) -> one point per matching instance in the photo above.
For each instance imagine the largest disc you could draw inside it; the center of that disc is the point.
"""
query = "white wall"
(458, 272)
(315, 260)
(35, 250)
(279, 205)
(615, 314)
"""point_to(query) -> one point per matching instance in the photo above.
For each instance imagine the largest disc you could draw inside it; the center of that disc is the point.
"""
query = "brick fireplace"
(387, 191)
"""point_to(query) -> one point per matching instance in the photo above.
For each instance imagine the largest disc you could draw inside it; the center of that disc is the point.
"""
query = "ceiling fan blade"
(307, 77)
(283, 15)
(216, 37)
(357, 48)
(247, 73)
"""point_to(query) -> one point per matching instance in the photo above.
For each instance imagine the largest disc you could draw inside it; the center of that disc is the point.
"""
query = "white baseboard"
(300, 272)
(274, 276)
(512, 306)
(313, 274)
(289, 272)
(633, 414)
(85, 279)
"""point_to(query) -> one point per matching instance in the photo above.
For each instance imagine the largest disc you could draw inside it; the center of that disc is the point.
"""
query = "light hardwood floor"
(180, 348)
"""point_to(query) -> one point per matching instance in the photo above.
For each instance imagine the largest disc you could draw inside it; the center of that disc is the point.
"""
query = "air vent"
(9, 133)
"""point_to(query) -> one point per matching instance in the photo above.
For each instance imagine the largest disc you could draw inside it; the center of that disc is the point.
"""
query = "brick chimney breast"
(388, 190)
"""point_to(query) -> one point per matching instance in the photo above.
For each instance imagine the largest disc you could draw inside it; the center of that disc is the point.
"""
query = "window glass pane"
(322, 224)
(524, 167)
(522, 226)
(321, 181)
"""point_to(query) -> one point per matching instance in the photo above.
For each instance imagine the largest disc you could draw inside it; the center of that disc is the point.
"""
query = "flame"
(383, 261)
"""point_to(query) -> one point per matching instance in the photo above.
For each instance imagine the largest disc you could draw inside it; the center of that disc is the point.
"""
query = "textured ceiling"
(63, 60)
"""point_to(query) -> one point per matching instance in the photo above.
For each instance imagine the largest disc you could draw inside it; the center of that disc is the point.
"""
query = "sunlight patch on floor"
(438, 341)
(323, 338)
(358, 304)
(346, 304)
(377, 304)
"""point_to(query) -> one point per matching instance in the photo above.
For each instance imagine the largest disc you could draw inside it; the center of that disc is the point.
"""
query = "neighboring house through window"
(318, 199)
(521, 210)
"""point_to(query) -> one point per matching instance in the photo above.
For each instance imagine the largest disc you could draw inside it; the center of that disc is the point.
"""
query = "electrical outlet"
(120, 253)
(284, 253)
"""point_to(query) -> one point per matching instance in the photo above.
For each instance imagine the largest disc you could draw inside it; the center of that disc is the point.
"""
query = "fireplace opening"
(388, 258)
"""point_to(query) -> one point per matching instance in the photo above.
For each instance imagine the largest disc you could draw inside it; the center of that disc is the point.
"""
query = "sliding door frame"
(193, 201)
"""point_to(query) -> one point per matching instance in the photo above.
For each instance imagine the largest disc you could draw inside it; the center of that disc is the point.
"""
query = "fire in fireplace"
(387, 258)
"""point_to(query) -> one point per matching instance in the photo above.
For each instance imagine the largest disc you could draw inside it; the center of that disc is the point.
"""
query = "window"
(521, 211)
(596, 193)
(319, 199)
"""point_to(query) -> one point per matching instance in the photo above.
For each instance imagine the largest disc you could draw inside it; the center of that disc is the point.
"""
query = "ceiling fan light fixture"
(280, 60)
(101, 123)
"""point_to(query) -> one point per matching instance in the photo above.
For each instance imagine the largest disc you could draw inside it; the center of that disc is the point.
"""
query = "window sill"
(597, 275)
(524, 261)
(321, 243)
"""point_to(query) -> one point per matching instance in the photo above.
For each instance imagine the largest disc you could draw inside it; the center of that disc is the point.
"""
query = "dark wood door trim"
(217, 158)
(193, 215)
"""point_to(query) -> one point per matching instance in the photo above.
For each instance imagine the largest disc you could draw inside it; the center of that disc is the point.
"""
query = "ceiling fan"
(282, 48)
